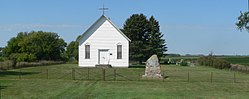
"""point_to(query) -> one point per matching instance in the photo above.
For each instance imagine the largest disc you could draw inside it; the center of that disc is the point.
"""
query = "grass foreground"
(34, 84)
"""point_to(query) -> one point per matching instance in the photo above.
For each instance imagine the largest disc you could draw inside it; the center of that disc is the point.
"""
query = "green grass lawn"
(35, 83)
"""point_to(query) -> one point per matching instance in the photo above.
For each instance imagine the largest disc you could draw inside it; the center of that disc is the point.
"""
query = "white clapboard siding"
(103, 35)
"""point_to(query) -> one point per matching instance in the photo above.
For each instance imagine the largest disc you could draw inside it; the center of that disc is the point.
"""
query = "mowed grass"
(33, 83)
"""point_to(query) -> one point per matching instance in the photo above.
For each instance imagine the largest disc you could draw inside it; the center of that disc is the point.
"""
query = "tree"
(78, 38)
(135, 28)
(13, 44)
(34, 46)
(243, 21)
(156, 43)
(72, 50)
(1, 51)
(146, 38)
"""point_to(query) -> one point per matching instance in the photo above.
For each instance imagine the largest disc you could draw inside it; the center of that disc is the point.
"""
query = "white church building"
(103, 44)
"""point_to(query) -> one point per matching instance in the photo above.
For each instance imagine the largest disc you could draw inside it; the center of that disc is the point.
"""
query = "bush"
(183, 63)
(6, 65)
(214, 62)
(1, 59)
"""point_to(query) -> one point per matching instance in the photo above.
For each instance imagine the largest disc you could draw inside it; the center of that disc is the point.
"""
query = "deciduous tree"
(72, 50)
(243, 21)
(34, 46)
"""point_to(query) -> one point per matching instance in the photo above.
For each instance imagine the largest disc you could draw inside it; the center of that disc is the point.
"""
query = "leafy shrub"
(1, 59)
(183, 63)
(6, 65)
(214, 62)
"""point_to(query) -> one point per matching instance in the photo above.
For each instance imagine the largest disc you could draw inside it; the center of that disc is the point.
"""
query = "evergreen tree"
(135, 28)
(146, 38)
(156, 43)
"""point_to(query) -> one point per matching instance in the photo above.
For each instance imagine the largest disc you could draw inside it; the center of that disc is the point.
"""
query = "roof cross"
(103, 9)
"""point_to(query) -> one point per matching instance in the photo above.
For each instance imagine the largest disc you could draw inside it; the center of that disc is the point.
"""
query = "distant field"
(178, 59)
(238, 60)
(57, 81)
(243, 60)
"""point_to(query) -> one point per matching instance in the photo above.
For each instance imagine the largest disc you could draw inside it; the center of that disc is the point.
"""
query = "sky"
(189, 26)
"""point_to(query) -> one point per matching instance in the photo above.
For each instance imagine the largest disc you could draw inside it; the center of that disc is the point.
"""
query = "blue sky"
(189, 26)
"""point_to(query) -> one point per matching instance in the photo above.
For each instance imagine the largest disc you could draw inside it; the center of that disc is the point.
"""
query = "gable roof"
(103, 16)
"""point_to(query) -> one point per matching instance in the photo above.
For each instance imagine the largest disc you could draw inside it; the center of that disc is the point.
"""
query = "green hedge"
(214, 62)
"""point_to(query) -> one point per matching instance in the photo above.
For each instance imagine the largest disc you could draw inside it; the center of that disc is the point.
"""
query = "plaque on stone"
(152, 69)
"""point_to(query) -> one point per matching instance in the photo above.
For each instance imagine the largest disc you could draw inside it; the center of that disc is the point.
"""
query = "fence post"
(211, 77)
(88, 73)
(246, 70)
(47, 73)
(104, 74)
(234, 77)
(114, 74)
(73, 74)
(138, 76)
(163, 76)
(20, 74)
(188, 76)
(0, 91)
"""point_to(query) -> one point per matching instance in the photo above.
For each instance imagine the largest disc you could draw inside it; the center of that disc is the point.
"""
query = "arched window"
(87, 51)
(119, 51)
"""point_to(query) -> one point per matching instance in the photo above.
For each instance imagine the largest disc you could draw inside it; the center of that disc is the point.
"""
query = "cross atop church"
(103, 9)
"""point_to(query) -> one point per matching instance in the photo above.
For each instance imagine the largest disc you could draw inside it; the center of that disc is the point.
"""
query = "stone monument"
(152, 69)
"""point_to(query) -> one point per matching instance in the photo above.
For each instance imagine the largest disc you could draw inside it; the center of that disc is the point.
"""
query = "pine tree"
(146, 38)
(135, 28)
(156, 43)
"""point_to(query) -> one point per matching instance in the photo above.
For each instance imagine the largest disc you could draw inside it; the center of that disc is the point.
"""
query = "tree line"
(145, 35)
(35, 45)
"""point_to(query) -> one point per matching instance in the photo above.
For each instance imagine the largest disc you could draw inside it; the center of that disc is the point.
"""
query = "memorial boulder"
(153, 69)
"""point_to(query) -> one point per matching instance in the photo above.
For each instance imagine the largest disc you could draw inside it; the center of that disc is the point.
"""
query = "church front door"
(103, 57)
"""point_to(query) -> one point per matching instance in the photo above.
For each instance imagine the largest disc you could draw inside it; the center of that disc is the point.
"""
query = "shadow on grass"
(136, 66)
(2, 87)
(6, 73)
